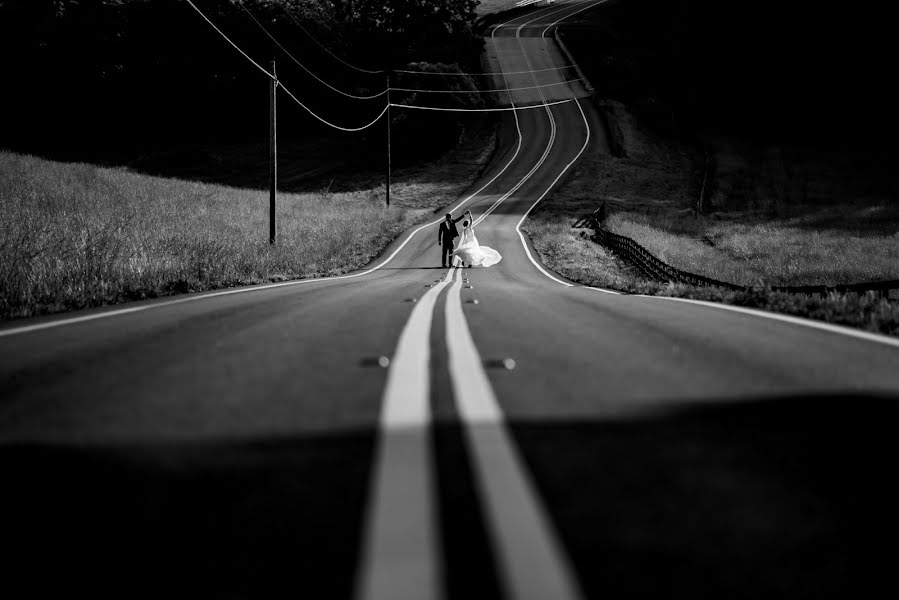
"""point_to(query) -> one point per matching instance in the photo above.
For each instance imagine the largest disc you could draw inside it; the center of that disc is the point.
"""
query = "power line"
(381, 93)
(437, 108)
(328, 123)
(236, 47)
(361, 70)
(322, 46)
(461, 73)
(275, 79)
(301, 65)
(514, 89)
(383, 111)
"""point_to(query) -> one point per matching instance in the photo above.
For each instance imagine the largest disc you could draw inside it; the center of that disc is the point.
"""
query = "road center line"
(400, 551)
(532, 562)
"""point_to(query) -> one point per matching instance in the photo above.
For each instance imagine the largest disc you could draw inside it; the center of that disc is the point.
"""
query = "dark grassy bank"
(766, 107)
(778, 116)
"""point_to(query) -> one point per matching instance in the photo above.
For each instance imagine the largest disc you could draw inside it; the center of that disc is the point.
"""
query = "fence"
(659, 270)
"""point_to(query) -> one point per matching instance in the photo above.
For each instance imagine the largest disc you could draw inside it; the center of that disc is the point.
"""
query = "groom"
(445, 236)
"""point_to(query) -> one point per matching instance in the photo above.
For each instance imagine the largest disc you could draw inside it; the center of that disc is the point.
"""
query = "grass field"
(808, 237)
(781, 205)
(491, 6)
(78, 235)
(754, 250)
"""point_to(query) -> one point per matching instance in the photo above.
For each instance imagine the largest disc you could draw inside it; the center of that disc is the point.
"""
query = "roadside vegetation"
(793, 193)
(486, 7)
(77, 235)
(131, 168)
(573, 253)
(759, 250)
(173, 107)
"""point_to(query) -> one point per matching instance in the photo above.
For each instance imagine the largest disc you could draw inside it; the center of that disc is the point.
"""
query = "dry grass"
(805, 237)
(76, 235)
(570, 253)
(646, 193)
(765, 252)
(486, 7)
(573, 254)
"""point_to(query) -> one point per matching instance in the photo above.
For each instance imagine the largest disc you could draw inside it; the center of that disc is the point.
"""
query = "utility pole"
(272, 154)
(388, 138)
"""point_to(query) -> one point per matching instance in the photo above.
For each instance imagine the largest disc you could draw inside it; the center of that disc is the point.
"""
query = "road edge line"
(756, 312)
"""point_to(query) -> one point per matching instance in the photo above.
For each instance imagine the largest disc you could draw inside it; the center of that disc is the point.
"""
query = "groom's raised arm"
(457, 219)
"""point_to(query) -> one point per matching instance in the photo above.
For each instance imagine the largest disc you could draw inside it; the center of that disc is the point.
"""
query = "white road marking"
(552, 132)
(400, 559)
(603, 290)
(243, 290)
(839, 329)
(204, 296)
(532, 562)
(540, 162)
(562, 172)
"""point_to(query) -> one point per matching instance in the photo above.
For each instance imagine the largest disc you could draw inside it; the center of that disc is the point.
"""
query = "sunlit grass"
(77, 235)
(492, 6)
(571, 253)
(844, 243)
(772, 252)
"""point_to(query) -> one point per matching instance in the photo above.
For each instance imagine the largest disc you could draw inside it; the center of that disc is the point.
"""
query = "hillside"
(742, 154)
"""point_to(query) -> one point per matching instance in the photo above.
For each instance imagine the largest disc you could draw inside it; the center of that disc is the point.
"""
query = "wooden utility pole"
(272, 154)
(388, 138)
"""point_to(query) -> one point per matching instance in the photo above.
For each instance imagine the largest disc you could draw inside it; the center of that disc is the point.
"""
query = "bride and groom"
(468, 250)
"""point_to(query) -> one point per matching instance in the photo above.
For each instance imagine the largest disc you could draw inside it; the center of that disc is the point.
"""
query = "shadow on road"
(185, 520)
(776, 498)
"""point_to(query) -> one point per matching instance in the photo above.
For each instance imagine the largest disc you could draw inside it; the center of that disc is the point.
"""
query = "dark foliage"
(401, 31)
(109, 80)
(796, 69)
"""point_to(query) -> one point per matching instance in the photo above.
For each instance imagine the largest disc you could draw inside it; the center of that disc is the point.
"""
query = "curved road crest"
(528, 438)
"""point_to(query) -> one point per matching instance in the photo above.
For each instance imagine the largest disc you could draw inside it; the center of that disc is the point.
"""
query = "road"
(410, 431)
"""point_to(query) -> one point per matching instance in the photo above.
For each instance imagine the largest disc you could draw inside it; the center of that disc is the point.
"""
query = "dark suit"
(445, 236)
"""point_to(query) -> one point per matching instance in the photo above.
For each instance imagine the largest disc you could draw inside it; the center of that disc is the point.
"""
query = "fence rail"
(659, 270)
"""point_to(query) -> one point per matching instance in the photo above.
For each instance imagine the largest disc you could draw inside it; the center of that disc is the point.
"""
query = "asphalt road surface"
(417, 432)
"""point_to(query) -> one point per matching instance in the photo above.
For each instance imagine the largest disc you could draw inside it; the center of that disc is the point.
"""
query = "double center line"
(401, 557)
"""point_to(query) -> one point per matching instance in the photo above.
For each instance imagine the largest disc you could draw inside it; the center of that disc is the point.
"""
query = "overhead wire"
(274, 78)
(322, 46)
(487, 91)
(381, 93)
(350, 129)
(227, 39)
(461, 73)
(388, 105)
(383, 71)
(404, 71)
(508, 108)
(301, 65)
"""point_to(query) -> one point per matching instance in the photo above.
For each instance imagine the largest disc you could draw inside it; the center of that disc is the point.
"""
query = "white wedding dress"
(472, 253)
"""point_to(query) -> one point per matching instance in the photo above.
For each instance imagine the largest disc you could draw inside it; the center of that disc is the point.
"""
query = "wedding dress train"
(474, 254)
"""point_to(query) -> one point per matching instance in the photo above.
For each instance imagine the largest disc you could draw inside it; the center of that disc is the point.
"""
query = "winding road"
(413, 432)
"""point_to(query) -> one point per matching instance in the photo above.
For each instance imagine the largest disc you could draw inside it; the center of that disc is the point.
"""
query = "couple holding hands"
(468, 249)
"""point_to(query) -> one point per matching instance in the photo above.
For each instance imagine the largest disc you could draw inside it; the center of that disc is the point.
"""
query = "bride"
(468, 249)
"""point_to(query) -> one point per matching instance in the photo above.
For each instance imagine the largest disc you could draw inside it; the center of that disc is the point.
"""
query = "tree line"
(88, 78)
